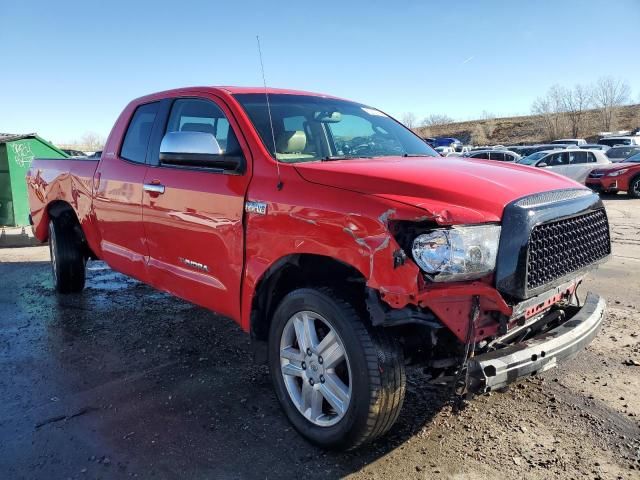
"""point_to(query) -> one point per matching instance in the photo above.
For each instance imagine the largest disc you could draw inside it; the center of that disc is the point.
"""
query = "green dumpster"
(16, 154)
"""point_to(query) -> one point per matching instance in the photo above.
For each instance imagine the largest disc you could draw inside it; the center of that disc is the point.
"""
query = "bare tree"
(608, 95)
(92, 141)
(549, 109)
(574, 103)
(488, 115)
(478, 137)
(409, 120)
(436, 119)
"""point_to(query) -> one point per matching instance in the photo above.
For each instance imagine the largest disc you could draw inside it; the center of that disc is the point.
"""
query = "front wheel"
(340, 382)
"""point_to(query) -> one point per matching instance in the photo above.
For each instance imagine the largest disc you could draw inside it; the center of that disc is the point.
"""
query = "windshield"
(309, 128)
(533, 158)
(633, 158)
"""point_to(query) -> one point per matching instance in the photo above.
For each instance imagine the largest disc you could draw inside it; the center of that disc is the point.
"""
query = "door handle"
(156, 188)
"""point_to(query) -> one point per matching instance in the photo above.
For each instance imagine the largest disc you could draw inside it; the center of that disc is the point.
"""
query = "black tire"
(634, 187)
(67, 258)
(376, 365)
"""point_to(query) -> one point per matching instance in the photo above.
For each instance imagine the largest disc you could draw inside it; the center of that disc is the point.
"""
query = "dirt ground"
(123, 381)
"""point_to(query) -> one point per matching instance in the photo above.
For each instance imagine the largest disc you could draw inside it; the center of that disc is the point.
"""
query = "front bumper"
(602, 185)
(497, 369)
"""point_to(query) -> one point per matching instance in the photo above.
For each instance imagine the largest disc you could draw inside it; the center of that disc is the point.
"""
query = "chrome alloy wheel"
(315, 368)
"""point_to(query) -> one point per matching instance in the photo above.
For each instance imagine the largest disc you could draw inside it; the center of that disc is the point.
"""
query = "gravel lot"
(123, 381)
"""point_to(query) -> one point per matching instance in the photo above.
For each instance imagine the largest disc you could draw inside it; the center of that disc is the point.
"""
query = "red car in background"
(616, 177)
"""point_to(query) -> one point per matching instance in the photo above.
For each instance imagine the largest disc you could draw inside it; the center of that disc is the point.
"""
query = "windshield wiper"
(329, 158)
(415, 155)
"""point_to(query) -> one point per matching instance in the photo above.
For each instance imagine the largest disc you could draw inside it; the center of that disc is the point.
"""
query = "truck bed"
(66, 179)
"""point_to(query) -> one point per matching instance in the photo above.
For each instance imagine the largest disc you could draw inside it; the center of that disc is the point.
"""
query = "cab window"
(198, 115)
(136, 140)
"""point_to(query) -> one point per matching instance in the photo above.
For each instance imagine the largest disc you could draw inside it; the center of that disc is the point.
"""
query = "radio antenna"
(273, 134)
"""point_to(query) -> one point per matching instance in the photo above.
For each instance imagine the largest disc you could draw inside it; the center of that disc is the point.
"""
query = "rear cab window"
(136, 140)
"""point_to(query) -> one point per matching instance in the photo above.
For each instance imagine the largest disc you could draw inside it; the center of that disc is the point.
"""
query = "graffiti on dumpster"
(22, 154)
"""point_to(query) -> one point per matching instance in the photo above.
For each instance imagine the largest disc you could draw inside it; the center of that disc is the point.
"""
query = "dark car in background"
(74, 153)
(576, 142)
(522, 150)
(621, 153)
(447, 142)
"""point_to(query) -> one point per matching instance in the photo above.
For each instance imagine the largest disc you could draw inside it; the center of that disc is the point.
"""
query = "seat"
(290, 145)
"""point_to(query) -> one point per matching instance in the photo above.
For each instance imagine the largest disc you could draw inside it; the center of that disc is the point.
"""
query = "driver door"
(557, 162)
(193, 216)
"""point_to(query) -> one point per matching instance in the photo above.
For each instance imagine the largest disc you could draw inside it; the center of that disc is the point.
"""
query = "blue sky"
(69, 67)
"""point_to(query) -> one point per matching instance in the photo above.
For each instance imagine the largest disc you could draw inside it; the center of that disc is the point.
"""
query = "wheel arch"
(63, 211)
(296, 271)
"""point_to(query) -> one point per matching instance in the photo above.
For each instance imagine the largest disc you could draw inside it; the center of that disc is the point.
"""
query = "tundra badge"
(197, 265)
(256, 207)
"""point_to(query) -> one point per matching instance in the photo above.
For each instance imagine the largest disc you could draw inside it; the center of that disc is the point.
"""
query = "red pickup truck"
(339, 240)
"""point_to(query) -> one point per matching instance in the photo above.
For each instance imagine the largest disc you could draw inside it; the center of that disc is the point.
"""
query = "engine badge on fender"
(256, 207)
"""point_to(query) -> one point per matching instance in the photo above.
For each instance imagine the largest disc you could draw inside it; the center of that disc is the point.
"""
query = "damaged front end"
(519, 317)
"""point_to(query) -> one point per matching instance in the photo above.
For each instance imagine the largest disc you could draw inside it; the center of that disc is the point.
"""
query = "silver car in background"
(574, 163)
(500, 155)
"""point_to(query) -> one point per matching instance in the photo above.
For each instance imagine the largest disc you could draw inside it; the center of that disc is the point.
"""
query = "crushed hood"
(451, 189)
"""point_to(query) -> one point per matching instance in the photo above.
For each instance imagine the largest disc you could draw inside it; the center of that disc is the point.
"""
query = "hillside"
(528, 129)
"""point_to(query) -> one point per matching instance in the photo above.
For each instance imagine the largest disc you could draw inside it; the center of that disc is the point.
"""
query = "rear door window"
(136, 140)
(576, 158)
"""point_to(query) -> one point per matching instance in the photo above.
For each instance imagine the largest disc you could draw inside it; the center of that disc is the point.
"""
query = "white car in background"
(574, 163)
(500, 155)
(570, 141)
(620, 140)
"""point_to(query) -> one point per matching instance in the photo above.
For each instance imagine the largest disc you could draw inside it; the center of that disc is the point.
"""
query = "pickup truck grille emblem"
(256, 207)
(197, 265)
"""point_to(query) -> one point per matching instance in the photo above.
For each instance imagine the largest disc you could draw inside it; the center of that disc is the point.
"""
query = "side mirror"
(197, 149)
(543, 164)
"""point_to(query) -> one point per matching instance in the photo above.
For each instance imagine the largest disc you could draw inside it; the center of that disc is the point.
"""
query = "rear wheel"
(634, 187)
(341, 383)
(67, 259)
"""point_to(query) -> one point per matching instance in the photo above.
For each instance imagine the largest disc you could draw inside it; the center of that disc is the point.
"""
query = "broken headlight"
(458, 253)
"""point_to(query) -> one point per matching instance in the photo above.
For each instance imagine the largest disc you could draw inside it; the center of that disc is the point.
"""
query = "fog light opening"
(490, 371)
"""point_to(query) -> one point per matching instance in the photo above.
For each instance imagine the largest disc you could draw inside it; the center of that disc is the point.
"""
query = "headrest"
(199, 127)
(291, 142)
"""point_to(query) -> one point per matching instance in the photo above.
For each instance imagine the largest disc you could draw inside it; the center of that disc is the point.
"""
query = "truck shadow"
(159, 387)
